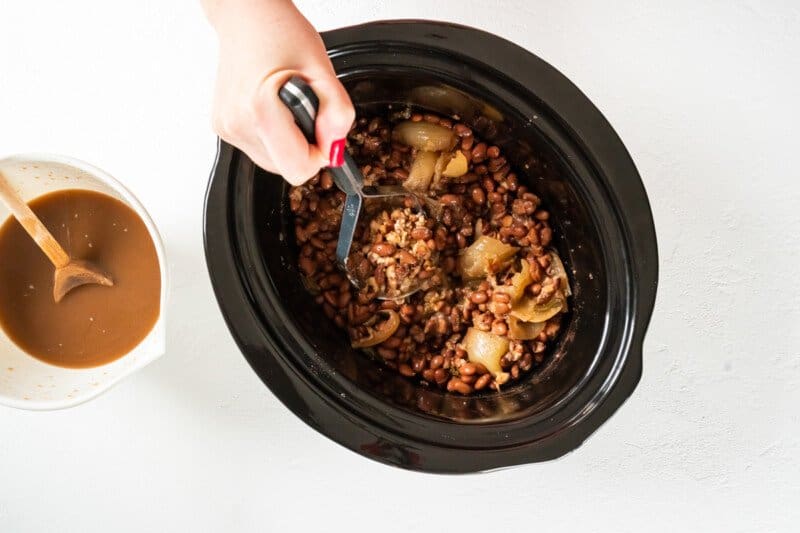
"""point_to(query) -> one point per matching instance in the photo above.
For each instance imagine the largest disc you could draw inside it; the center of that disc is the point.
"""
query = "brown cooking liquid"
(92, 325)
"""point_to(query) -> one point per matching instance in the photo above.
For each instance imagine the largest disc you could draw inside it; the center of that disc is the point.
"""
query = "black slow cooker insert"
(563, 148)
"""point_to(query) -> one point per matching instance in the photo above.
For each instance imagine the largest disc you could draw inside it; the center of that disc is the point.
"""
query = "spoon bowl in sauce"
(69, 273)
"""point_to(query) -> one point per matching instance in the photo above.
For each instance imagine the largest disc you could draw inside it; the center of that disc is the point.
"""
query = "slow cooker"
(563, 148)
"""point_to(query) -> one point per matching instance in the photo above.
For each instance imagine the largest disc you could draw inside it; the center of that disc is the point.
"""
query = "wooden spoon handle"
(44, 239)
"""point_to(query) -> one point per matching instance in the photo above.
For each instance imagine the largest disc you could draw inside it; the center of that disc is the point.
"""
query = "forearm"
(223, 14)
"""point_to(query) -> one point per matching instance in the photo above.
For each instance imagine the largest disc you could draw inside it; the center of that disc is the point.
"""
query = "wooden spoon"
(70, 273)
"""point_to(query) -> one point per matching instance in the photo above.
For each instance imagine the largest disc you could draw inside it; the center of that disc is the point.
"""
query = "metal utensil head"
(347, 229)
(301, 100)
(349, 179)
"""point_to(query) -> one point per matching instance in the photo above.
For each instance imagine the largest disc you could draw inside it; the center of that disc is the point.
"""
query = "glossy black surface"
(563, 148)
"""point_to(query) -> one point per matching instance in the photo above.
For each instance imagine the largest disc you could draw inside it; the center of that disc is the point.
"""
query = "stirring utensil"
(69, 273)
(303, 103)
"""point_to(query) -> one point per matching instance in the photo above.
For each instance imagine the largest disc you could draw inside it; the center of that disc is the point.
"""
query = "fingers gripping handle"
(299, 97)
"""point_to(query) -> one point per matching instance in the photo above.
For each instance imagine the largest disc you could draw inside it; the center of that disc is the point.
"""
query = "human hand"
(263, 43)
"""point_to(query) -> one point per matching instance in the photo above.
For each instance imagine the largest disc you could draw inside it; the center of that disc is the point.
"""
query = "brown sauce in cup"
(92, 325)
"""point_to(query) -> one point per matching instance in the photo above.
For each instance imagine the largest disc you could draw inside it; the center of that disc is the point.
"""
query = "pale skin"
(263, 43)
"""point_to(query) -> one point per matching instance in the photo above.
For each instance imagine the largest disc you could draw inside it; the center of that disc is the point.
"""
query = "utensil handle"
(301, 100)
(303, 103)
(28, 219)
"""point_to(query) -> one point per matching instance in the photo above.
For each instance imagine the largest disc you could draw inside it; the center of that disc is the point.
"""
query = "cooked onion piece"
(378, 331)
(523, 331)
(519, 282)
(456, 167)
(485, 348)
(438, 169)
(558, 271)
(528, 310)
(425, 136)
(421, 173)
(485, 256)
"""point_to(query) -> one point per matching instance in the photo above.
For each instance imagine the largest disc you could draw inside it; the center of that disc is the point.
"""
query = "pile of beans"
(487, 200)
(391, 256)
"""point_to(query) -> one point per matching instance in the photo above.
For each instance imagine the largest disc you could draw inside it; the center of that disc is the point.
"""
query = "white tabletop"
(705, 97)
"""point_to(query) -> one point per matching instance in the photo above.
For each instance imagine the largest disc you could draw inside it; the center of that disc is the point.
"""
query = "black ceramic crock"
(563, 148)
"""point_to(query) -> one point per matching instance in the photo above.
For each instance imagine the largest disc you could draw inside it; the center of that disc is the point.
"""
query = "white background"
(703, 93)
